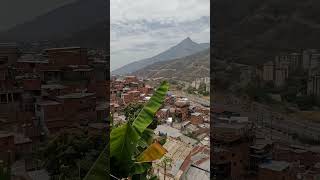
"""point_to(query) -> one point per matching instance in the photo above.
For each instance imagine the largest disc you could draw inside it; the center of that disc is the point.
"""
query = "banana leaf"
(123, 139)
(145, 117)
(100, 169)
(154, 152)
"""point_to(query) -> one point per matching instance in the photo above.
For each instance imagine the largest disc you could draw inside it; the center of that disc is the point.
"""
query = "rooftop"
(98, 125)
(275, 165)
(229, 126)
(177, 152)
(170, 131)
(5, 134)
(39, 175)
(188, 140)
(63, 48)
(200, 172)
(195, 114)
(33, 58)
(52, 86)
(48, 103)
(75, 95)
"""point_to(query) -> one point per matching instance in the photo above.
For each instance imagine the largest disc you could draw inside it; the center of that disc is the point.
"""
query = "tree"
(63, 155)
(132, 110)
(4, 171)
(132, 149)
(190, 90)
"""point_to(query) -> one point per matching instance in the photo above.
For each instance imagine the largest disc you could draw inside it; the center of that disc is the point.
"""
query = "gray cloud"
(141, 29)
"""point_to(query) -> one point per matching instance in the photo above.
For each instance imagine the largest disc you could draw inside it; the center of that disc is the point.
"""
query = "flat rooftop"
(275, 165)
(170, 131)
(48, 103)
(75, 95)
(98, 125)
(229, 126)
(63, 48)
(5, 134)
(53, 86)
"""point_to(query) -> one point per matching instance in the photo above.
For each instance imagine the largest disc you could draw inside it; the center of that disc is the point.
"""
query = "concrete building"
(268, 71)
(9, 54)
(276, 170)
(314, 82)
(7, 147)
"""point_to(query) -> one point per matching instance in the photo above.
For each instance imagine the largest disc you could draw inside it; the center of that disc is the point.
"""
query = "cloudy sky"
(141, 29)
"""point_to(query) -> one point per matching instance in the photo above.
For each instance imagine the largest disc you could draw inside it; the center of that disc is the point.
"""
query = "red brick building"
(79, 107)
(306, 156)
(131, 96)
(196, 118)
(131, 79)
(275, 170)
(7, 147)
(50, 113)
(67, 56)
(182, 109)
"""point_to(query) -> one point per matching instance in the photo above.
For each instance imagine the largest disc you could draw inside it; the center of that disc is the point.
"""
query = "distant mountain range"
(184, 48)
(82, 22)
(251, 31)
(185, 69)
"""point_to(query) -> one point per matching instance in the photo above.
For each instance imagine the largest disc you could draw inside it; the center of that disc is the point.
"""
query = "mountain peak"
(184, 48)
(187, 40)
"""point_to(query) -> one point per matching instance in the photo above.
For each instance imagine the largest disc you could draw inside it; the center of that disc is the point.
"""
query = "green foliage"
(4, 172)
(63, 154)
(132, 110)
(257, 93)
(154, 123)
(162, 140)
(203, 89)
(128, 141)
(191, 90)
(125, 141)
(306, 102)
(100, 169)
(146, 115)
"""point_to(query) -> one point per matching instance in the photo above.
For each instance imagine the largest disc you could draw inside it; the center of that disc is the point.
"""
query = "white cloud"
(143, 28)
(177, 10)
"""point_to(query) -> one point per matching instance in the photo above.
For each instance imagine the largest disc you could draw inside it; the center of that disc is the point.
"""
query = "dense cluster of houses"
(42, 94)
(184, 124)
(187, 128)
(242, 152)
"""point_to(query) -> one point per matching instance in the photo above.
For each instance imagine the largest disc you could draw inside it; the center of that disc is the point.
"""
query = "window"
(3, 98)
(38, 107)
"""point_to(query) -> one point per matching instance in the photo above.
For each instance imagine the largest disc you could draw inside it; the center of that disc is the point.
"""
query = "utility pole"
(271, 126)
(79, 170)
(165, 171)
